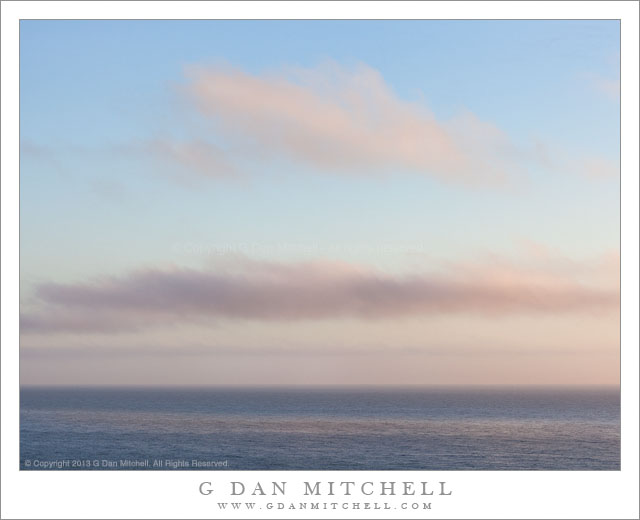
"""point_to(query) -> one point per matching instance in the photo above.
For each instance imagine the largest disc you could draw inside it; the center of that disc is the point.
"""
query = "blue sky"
(499, 70)
(96, 98)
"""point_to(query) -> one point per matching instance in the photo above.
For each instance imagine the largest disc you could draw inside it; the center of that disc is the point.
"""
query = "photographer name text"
(331, 488)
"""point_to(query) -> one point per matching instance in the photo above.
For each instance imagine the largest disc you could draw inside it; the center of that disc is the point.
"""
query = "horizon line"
(318, 386)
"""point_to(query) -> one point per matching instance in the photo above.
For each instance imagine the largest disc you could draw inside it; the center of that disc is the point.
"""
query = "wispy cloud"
(306, 291)
(342, 120)
(199, 156)
(349, 120)
(585, 164)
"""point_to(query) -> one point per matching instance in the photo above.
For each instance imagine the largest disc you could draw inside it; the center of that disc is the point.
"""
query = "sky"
(319, 202)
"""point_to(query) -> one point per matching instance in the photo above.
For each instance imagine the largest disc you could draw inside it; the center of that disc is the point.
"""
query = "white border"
(175, 494)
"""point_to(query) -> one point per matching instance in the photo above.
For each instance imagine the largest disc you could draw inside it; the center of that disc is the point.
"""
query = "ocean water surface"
(419, 428)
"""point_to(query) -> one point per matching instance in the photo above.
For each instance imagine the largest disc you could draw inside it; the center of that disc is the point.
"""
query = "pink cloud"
(348, 120)
(307, 291)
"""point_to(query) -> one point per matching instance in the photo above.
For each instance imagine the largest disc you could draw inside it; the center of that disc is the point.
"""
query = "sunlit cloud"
(349, 120)
(266, 291)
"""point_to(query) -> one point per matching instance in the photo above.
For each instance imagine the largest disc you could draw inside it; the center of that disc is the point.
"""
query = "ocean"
(377, 428)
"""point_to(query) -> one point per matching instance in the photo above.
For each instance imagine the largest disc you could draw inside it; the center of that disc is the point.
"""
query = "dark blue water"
(431, 428)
